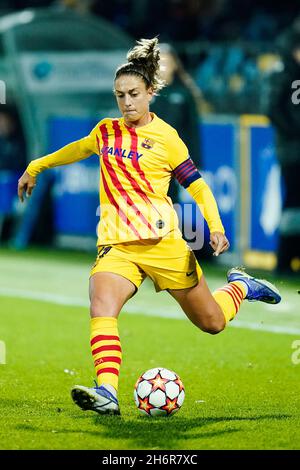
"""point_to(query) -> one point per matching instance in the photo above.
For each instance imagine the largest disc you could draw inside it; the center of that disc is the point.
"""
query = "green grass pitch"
(242, 388)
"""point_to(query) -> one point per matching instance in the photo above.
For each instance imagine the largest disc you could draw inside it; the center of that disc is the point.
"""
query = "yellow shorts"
(168, 261)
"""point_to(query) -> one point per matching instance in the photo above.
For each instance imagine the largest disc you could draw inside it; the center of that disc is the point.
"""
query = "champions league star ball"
(158, 392)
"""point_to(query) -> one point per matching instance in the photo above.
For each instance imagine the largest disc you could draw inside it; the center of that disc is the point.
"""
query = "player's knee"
(214, 328)
(213, 325)
(102, 307)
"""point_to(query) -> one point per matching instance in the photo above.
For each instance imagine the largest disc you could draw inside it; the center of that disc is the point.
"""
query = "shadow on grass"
(156, 433)
(168, 433)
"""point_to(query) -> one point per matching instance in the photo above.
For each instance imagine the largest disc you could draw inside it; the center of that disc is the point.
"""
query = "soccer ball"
(158, 392)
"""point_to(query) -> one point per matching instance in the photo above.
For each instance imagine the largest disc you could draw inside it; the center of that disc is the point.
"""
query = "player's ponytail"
(143, 60)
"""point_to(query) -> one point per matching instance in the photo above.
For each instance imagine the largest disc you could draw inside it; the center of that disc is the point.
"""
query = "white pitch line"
(168, 312)
(270, 328)
(44, 297)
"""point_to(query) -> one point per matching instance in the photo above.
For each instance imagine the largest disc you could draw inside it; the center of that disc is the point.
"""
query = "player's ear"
(150, 92)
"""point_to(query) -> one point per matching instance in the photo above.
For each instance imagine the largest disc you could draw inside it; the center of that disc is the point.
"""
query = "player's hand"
(219, 243)
(26, 183)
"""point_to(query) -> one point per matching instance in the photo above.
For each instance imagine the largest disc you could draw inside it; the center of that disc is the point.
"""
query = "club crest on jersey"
(148, 143)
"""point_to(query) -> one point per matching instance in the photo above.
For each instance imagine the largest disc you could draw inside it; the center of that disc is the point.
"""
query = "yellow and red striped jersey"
(136, 166)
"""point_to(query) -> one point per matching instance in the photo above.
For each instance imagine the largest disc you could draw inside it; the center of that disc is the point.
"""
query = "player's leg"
(108, 293)
(172, 265)
(200, 307)
(211, 312)
(113, 281)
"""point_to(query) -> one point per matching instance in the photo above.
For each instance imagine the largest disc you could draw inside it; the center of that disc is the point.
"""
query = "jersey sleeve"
(91, 143)
(203, 196)
(176, 149)
(181, 164)
(188, 175)
(73, 152)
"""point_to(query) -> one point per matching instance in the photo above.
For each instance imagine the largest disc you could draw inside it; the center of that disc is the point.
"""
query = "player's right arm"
(73, 152)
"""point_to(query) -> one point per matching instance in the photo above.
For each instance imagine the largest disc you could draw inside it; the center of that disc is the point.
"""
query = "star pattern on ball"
(170, 406)
(158, 383)
(145, 405)
(179, 383)
(140, 379)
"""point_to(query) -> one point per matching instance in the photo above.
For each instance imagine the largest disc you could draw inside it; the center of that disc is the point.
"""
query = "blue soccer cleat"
(97, 399)
(258, 289)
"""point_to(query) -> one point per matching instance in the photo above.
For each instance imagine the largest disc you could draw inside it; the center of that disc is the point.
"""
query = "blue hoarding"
(265, 194)
(221, 171)
(76, 189)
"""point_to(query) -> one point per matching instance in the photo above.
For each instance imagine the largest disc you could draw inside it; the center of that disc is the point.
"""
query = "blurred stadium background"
(57, 62)
(52, 99)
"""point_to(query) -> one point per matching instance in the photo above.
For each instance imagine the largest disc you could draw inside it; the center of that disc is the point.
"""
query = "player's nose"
(127, 101)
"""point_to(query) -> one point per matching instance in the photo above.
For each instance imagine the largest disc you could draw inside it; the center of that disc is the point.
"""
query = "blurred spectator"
(182, 24)
(79, 6)
(173, 20)
(183, 20)
(123, 13)
(179, 103)
(12, 163)
(284, 113)
(21, 4)
(12, 154)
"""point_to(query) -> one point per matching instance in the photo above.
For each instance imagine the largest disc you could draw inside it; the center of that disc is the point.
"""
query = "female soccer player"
(138, 233)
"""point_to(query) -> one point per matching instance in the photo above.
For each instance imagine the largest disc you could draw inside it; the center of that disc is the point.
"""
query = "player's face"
(133, 98)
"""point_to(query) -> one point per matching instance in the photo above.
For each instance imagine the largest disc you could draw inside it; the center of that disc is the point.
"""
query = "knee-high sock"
(230, 297)
(106, 350)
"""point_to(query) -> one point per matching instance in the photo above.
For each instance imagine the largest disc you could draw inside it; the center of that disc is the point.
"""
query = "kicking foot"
(258, 289)
(97, 399)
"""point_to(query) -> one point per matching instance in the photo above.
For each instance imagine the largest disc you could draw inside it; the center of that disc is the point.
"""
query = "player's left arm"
(185, 171)
(202, 194)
